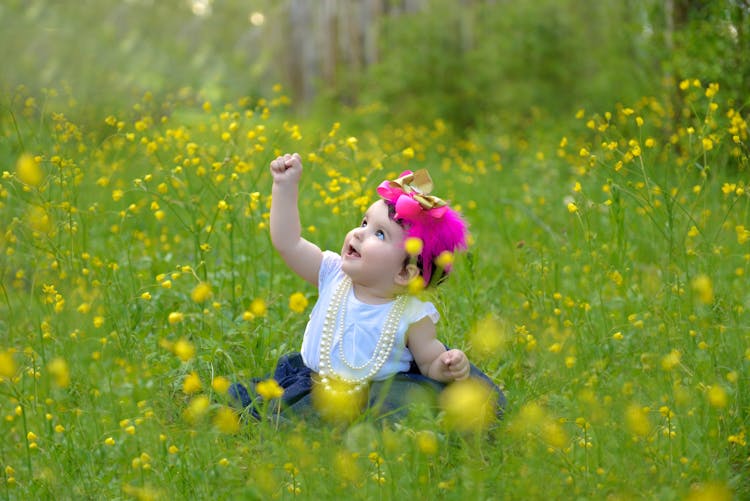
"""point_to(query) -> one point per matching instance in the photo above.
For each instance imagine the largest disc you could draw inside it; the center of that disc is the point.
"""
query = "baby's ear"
(406, 274)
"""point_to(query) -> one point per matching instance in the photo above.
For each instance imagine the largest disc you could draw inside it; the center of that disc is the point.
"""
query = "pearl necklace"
(333, 330)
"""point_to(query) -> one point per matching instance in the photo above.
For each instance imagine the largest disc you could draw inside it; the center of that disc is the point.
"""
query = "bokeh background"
(470, 62)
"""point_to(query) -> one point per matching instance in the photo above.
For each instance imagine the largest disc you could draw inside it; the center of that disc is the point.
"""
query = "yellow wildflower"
(201, 293)
(297, 302)
(489, 337)
(258, 307)
(28, 170)
(176, 317)
(8, 365)
(191, 384)
(58, 369)
(469, 405)
(226, 421)
(220, 384)
(197, 408)
(413, 246)
(184, 350)
(636, 419)
(269, 389)
(703, 287)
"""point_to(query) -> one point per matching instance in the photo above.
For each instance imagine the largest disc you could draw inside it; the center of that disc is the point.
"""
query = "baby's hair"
(435, 279)
(427, 218)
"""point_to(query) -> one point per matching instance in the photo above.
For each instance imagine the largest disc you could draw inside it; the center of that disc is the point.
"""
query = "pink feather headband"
(426, 217)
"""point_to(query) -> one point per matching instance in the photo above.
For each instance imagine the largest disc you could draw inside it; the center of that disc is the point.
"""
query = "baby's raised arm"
(302, 256)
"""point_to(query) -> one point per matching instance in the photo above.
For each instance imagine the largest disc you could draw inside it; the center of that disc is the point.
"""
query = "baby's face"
(373, 253)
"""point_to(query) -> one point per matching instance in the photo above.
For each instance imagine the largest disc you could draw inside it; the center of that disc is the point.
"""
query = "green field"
(606, 290)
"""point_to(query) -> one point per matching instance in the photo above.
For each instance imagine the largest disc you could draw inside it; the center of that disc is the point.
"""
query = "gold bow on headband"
(418, 185)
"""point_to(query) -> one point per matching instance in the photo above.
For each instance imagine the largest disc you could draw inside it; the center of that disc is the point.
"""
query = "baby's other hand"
(287, 169)
(455, 364)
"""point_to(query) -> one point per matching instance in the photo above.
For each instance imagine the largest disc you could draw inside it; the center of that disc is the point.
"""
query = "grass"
(605, 290)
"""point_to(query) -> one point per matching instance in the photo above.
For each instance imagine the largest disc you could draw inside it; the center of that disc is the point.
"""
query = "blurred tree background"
(474, 63)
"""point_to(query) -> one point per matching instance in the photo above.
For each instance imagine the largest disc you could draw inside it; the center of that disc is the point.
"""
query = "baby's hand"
(287, 169)
(455, 364)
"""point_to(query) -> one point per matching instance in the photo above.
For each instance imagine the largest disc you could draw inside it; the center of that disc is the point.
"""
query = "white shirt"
(362, 326)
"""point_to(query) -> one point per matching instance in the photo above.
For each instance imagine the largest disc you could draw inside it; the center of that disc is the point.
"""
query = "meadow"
(605, 289)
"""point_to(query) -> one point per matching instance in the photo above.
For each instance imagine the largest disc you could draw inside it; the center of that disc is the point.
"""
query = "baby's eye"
(380, 234)
(363, 224)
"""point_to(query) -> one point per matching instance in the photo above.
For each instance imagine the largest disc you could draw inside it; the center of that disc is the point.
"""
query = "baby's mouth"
(352, 252)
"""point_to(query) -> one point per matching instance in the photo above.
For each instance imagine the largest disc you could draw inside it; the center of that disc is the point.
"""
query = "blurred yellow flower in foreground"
(713, 491)
(427, 442)
(338, 401)
(8, 365)
(201, 293)
(226, 421)
(184, 350)
(637, 421)
(469, 405)
(176, 317)
(489, 337)
(297, 302)
(717, 396)
(197, 408)
(413, 246)
(703, 287)
(192, 383)
(58, 369)
(444, 259)
(269, 389)
(258, 307)
(220, 384)
(28, 170)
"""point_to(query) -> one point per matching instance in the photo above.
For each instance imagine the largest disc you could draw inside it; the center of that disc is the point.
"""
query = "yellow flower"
(712, 89)
(269, 389)
(197, 408)
(413, 246)
(227, 421)
(184, 350)
(671, 360)
(469, 405)
(427, 442)
(636, 419)
(489, 337)
(408, 153)
(572, 208)
(201, 293)
(717, 396)
(712, 491)
(176, 317)
(258, 307)
(191, 384)
(28, 170)
(703, 287)
(8, 365)
(743, 234)
(220, 384)
(297, 302)
(109, 441)
(58, 369)
(338, 401)
(416, 285)
(444, 259)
